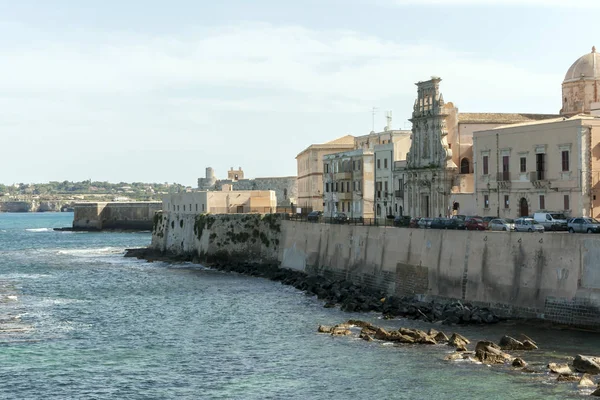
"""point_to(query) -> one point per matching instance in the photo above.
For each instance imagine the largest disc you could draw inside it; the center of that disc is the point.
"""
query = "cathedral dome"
(586, 67)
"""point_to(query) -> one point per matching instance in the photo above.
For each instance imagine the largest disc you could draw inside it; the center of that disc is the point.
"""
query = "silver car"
(501, 224)
(528, 225)
(584, 225)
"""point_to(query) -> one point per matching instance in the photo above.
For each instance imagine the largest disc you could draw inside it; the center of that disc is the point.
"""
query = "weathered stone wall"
(552, 276)
(285, 188)
(103, 215)
(250, 236)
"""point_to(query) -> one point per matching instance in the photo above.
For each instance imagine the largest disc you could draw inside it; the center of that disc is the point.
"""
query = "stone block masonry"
(551, 276)
(115, 215)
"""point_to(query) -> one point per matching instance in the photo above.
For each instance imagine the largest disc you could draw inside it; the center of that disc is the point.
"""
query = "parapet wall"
(115, 215)
(551, 276)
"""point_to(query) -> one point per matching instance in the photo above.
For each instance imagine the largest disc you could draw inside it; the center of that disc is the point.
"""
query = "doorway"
(523, 207)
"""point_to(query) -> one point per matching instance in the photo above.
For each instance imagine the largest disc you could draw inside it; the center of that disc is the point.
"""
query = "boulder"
(453, 357)
(459, 336)
(461, 348)
(489, 353)
(381, 334)
(510, 343)
(341, 330)
(596, 392)
(519, 363)
(367, 337)
(458, 340)
(587, 364)
(567, 378)
(441, 337)
(324, 329)
(562, 369)
(362, 324)
(529, 345)
(432, 332)
(586, 381)
(396, 336)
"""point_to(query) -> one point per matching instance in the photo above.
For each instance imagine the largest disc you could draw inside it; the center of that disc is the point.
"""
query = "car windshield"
(476, 220)
(592, 221)
(509, 221)
(558, 216)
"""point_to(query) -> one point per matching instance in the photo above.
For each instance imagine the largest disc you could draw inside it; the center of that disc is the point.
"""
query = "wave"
(92, 251)
(39, 230)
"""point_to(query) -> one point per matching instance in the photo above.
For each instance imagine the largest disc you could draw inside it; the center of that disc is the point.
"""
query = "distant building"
(285, 187)
(222, 202)
(580, 88)
(310, 170)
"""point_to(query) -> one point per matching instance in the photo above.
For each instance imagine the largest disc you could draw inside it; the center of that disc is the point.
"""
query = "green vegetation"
(203, 221)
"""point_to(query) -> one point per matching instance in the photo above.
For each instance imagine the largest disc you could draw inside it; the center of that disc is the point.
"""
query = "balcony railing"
(535, 176)
(503, 176)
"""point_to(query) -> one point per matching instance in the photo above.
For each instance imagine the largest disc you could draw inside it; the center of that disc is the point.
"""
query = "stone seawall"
(551, 276)
(115, 215)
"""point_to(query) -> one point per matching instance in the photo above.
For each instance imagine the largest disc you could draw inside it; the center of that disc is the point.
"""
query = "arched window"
(465, 166)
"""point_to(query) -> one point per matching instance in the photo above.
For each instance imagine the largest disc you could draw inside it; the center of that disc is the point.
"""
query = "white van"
(552, 221)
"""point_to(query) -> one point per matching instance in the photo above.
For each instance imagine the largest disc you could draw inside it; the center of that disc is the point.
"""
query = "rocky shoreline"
(582, 369)
(349, 296)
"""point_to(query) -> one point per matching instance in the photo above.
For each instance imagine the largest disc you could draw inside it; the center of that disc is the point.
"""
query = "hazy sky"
(155, 91)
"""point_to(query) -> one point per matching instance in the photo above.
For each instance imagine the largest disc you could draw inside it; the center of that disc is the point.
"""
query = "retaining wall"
(551, 276)
(115, 215)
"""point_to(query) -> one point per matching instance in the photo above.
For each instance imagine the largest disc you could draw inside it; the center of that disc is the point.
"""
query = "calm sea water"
(95, 325)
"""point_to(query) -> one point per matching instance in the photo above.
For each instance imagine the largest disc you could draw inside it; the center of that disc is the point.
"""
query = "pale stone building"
(551, 165)
(226, 201)
(348, 183)
(580, 88)
(385, 155)
(310, 171)
(285, 187)
(438, 175)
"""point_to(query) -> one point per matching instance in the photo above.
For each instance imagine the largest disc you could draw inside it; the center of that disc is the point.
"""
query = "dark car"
(340, 218)
(314, 216)
(459, 220)
(402, 221)
(443, 223)
(475, 224)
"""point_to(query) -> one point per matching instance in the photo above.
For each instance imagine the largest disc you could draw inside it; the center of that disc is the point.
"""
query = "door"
(505, 173)
(523, 207)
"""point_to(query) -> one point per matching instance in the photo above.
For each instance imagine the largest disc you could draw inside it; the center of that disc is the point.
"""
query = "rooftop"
(502, 118)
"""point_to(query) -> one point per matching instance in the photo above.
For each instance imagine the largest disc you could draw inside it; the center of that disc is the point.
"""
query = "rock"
(381, 334)
(432, 332)
(441, 337)
(586, 381)
(587, 364)
(461, 348)
(341, 330)
(562, 369)
(398, 337)
(329, 304)
(366, 337)
(362, 324)
(567, 378)
(458, 335)
(529, 345)
(489, 353)
(596, 392)
(453, 357)
(458, 340)
(324, 329)
(510, 343)
(519, 363)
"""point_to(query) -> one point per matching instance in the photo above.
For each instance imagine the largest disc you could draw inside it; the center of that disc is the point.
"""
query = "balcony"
(343, 176)
(399, 194)
(537, 176)
(503, 179)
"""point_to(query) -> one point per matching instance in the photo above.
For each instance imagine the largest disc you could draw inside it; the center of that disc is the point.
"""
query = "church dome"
(586, 67)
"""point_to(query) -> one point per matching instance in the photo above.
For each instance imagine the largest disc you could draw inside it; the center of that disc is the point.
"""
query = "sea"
(80, 321)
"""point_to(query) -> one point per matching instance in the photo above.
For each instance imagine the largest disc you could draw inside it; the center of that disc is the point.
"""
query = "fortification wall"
(103, 215)
(551, 276)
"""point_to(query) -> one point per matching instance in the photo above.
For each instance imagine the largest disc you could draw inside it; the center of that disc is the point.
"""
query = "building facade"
(222, 202)
(385, 156)
(310, 171)
(285, 187)
(348, 183)
(552, 166)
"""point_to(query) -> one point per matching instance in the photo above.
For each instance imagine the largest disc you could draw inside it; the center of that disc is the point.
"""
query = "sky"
(156, 91)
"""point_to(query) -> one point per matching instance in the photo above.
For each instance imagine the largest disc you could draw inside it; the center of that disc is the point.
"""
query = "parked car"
(425, 223)
(584, 225)
(475, 224)
(437, 223)
(340, 218)
(502, 224)
(528, 225)
(414, 222)
(402, 221)
(447, 223)
(486, 220)
(552, 221)
(314, 216)
(459, 221)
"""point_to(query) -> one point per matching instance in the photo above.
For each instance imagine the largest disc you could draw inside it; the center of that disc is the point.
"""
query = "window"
(505, 168)
(385, 187)
(565, 160)
(343, 206)
(196, 207)
(385, 163)
(567, 202)
(505, 201)
(354, 165)
(342, 188)
(359, 185)
(184, 207)
(359, 162)
(485, 165)
(540, 166)
(285, 193)
(327, 187)
(378, 164)
(353, 185)
(203, 207)
(464, 166)
(523, 163)
(326, 168)
(177, 207)
(190, 207)
(486, 201)
(542, 202)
